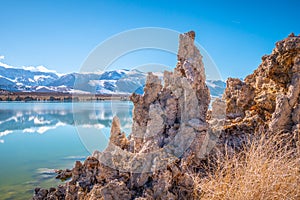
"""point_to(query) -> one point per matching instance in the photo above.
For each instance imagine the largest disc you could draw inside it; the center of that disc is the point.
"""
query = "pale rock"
(116, 136)
(218, 109)
(198, 125)
(155, 125)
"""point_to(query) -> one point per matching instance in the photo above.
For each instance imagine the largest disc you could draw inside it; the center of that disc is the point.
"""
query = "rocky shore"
(173, 132)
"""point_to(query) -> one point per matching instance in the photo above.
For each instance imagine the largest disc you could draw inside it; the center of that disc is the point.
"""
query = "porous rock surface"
(267, 100)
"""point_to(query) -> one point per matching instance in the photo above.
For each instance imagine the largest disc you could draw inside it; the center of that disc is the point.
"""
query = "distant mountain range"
(41, 79)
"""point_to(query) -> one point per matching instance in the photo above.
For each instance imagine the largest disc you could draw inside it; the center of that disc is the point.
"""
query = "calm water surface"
(36, 138)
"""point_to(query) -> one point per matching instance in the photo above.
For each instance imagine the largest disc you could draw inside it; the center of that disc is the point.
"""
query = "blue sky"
(60, 34)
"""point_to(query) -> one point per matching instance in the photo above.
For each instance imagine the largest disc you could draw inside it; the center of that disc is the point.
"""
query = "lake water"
(36, 138)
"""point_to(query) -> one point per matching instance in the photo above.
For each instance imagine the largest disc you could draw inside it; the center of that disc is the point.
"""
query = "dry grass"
(269, 168)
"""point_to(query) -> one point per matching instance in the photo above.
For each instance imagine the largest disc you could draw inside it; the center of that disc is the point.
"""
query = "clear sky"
(60, 34)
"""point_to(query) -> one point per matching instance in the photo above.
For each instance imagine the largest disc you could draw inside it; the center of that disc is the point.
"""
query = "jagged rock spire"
(169, 135)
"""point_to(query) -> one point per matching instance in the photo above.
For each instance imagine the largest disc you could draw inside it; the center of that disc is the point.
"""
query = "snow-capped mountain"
(108, 82)
(17, 79)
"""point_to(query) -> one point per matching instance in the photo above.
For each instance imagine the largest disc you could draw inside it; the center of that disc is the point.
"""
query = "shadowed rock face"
(172, 130)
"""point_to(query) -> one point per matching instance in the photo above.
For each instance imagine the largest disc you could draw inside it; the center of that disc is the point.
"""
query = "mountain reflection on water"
(38, 118)
(38, 137)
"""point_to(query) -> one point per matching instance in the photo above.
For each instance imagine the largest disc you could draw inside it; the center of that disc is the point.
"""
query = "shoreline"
(58, 97)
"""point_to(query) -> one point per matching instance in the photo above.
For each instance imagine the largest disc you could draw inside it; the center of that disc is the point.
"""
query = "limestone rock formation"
(169, 136)
(267, 100)
(173, 131)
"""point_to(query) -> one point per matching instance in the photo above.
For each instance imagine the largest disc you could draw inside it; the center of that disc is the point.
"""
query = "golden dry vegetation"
(267, 168)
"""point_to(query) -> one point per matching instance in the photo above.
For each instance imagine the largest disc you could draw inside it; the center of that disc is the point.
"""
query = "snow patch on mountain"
(101, 82)
(39, 68)
(6, 65)
(41, 77)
